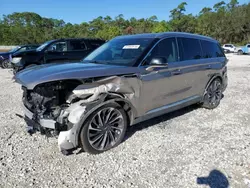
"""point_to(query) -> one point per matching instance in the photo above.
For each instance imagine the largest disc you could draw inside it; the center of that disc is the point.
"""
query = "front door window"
(58, 47)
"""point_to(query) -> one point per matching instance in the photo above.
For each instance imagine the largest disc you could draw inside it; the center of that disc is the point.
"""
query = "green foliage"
(228, 23)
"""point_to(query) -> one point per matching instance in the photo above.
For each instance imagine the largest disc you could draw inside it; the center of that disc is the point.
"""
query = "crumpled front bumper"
(66, 139)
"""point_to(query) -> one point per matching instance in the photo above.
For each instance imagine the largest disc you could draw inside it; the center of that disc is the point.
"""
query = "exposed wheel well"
(126, 105)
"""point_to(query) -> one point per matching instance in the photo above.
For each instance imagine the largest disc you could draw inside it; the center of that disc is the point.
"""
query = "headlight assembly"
(16, 60)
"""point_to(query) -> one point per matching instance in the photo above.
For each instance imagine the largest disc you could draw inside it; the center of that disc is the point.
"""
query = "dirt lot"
(174, 150)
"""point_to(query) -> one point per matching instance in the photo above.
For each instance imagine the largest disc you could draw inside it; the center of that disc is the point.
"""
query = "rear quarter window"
(189, 49)
(211, 49)
(75, 45)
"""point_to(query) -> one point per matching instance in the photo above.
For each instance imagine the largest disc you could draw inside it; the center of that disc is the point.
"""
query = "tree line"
(226, 22)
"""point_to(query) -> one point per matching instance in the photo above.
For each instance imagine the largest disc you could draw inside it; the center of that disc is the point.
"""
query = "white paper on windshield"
(131, 47)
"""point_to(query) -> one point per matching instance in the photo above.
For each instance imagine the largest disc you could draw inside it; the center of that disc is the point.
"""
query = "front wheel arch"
(82, 136)
(119, 100)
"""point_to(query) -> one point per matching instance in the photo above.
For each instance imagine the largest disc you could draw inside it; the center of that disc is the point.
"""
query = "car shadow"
(131, 130)
(216, 179)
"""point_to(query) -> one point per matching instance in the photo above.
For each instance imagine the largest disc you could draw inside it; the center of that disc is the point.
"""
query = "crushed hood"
(25, 52)
(54, 72)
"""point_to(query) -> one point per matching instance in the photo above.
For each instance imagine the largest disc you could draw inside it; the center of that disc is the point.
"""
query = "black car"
(6, 56)
(55, 51)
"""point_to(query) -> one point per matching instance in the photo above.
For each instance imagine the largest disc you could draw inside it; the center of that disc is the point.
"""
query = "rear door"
(201, 59)
(192, 66)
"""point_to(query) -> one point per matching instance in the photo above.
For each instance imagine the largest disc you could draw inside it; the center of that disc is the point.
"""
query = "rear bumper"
(225, 83)
(224, 79)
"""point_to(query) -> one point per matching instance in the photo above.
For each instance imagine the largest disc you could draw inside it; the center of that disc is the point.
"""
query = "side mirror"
(157, 63)
(161, 61)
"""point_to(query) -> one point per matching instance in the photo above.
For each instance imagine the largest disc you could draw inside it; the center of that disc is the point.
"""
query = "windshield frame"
(14, 50)
(135, 62)
(44, 45)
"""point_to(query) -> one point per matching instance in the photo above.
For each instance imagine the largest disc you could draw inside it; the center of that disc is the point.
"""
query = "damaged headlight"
(16, 60)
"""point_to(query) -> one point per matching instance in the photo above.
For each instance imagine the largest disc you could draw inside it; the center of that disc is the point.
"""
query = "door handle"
(176, 72)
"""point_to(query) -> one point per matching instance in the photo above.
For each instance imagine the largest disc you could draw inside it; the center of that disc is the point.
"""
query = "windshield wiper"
(98, 62)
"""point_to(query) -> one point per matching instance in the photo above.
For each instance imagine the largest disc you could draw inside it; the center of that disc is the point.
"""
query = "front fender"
(73, 137)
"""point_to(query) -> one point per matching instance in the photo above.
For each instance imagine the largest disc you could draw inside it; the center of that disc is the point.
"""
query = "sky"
(78, 11)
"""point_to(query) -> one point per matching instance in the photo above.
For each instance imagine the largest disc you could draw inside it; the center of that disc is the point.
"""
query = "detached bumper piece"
(42, 126)
(46, 127)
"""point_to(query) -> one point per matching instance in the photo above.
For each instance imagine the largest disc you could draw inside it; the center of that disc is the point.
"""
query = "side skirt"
(168, 108)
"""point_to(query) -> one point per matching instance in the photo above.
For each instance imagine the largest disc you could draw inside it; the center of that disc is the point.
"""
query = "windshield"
(15, 49)
(119, 51)
(40, 48)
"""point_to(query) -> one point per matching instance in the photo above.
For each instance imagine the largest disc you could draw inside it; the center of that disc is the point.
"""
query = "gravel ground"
(174, 150)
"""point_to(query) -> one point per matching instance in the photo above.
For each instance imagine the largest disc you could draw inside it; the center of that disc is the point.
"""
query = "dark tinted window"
(227, 45)
(166, 48)
(211, 49)
(248, 46)
(77, 45)
(96, 43)
(189, 49)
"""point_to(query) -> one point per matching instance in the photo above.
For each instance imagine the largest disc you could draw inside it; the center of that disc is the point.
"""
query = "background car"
(55, 51)
(229, 48)
(5, 57)
(243, 49)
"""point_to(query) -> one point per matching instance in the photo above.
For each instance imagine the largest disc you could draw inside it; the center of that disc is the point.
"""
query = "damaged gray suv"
(127, 80)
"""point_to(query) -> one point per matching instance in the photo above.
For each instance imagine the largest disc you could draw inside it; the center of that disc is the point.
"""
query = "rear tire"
(104, 129)
(213, 94)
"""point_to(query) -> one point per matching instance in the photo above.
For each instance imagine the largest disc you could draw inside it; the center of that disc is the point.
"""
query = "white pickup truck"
(243, 49)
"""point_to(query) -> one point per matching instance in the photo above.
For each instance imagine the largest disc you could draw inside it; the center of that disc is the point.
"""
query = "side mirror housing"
(159, 61)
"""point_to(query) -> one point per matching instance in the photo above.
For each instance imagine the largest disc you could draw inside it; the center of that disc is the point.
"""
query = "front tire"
(104, 129)
(213, 94)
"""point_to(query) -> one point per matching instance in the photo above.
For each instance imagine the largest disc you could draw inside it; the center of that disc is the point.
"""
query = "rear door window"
(189, 49)
(76, 45)
(211, 49)
(96, 43)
